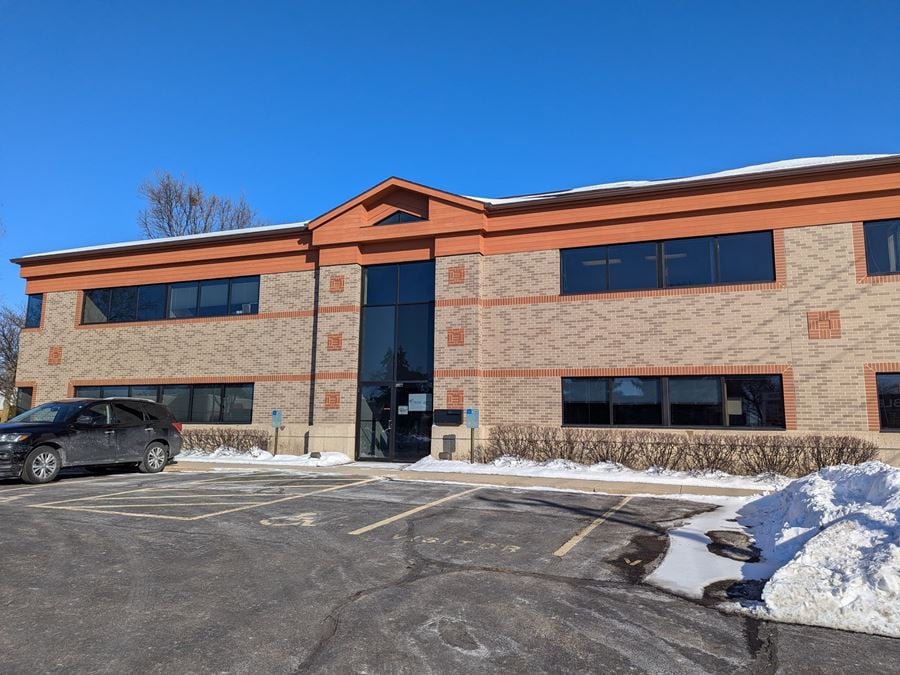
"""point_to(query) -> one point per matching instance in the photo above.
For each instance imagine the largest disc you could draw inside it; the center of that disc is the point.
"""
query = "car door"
(93, 438)
(132, 432)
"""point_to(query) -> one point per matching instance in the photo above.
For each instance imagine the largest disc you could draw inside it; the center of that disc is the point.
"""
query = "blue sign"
(472, 418)
(277, 419)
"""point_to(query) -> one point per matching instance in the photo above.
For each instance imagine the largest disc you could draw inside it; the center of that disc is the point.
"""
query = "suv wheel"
(155, 458)
(41, 466)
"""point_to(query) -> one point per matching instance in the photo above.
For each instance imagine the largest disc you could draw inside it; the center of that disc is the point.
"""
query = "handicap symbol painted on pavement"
(300, 519)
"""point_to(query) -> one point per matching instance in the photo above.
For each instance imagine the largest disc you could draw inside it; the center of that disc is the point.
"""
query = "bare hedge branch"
(210, 439)
(739, 454)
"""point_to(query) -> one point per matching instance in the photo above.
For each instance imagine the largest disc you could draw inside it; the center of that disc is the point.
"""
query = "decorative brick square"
(825, 325)
(455, 398)
(456, 337)
(336, 284)
(335, 342)
(55, 356)
(456, 275)
(332, 400)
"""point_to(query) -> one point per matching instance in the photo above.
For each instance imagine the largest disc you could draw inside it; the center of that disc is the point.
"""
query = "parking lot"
(236, 571)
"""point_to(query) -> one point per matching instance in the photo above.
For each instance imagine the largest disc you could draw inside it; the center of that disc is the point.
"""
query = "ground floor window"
(189, 403)
(704, 401)
(24, 399)
(889, 400)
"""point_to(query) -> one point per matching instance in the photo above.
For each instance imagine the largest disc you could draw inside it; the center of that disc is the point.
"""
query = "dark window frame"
(661, 265)
(18, 407)
(168, 301)
(190, 406)
(34, 299)
(665, 402)
(866, 230)
(400, 217)
(882, 417)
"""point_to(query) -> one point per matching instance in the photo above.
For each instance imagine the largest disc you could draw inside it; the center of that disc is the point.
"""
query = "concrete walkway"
(395, 472)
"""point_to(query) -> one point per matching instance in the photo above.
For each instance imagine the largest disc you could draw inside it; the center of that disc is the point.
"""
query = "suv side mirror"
(84, 421)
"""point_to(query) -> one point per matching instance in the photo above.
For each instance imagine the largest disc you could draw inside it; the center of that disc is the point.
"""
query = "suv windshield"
(48, 412)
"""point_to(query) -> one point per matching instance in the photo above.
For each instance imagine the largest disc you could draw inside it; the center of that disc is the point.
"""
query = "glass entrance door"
(395, 422)
(396, 362)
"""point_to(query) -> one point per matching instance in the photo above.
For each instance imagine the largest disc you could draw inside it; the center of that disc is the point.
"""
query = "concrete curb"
(606, 487)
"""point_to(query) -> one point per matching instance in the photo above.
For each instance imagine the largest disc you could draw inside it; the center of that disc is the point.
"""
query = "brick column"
(333, 409)
(457, 344)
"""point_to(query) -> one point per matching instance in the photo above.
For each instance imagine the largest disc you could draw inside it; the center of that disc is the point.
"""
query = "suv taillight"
(178, 426)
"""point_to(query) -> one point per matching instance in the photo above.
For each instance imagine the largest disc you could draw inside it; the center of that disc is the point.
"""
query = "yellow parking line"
(401, 516)
(569, 545)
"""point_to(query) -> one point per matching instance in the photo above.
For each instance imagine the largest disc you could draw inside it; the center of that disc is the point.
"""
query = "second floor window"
(188, 299)
(34, 310)
(882, 246)
(698, 261)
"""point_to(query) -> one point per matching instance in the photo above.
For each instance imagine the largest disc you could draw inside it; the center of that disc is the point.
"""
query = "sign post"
(276, 423)
(472, 424)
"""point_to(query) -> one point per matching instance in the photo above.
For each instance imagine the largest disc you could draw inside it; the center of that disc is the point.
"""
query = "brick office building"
(765, 298)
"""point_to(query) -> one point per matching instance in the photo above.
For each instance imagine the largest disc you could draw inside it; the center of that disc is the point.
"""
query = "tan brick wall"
(703, 328)
(183, 351)
(512, 318)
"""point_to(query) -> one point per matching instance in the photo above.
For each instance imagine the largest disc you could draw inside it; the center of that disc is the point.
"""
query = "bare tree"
(176, 207)
(11, 322)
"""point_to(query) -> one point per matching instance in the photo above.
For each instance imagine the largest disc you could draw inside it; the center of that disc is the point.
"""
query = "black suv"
(88, 432)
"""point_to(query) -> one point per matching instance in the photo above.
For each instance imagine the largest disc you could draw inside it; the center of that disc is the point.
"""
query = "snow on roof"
(166, 240)
(803, 162)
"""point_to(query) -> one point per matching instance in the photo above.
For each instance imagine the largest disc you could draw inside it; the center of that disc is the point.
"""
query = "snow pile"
(225, 455)
(835, 538)
(608, 471)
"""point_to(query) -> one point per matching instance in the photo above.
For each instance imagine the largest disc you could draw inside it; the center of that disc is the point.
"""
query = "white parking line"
(70, 504)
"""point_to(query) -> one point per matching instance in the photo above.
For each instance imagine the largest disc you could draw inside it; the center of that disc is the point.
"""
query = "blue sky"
(301, 105)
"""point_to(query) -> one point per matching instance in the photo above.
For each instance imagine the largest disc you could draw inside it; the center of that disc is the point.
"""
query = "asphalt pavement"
(251, 572)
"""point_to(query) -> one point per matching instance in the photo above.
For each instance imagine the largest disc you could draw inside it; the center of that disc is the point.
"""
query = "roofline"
(528, 203)
(395, 182)
(688, 184)
(165, 243)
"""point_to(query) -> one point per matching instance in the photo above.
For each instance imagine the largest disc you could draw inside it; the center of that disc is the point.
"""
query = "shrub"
(209, 439)
(739, 453)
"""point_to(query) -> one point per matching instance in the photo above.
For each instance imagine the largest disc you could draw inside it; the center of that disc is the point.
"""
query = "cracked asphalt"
(270, 572)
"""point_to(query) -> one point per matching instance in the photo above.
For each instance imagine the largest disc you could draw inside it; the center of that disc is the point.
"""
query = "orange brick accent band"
(335, 342)
(332, 400)
(54, 355)
(859, 260)
(456, 337)
(786, 372)
(455, 398)
(870, 370)
(824, 325)
(336, 284)
(456, 275)
(31, 385)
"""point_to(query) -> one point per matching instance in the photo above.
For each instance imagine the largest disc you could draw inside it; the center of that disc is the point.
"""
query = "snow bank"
(608, 471)
(829, 546)
(225, 455)
(835, 538)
